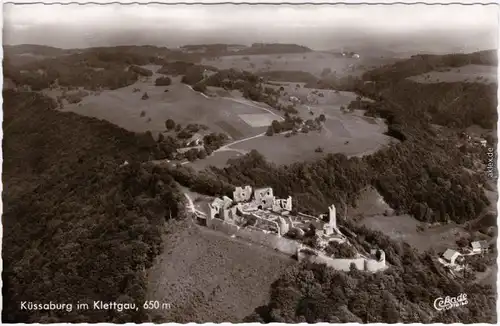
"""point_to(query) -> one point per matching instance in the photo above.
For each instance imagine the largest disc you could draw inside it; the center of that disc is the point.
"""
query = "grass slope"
(209, 277)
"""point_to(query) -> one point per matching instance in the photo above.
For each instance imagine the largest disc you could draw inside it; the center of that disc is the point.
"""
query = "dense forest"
(429, 185)
(78, 224)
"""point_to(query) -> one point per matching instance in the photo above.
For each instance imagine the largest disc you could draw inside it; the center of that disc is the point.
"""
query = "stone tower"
(332, 217)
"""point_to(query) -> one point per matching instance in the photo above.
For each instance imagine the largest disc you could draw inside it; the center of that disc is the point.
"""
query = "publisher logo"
(450, 302)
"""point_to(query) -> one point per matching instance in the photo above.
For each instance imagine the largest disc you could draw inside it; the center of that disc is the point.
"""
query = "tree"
(163, 81)
(169, 124)
(145, 96)
(202, 154)
(161, 138)
(276, 126)
(322, 118)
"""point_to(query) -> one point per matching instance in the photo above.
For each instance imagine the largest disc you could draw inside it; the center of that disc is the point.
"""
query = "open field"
(306, 95)
(123, 107)
(211, 277)
(403, 227)
(350, 133)
(218, 159)
(301, 147)
(258, 119)
(312, 62)
(369, 203)
(362, 137)
(470, 73)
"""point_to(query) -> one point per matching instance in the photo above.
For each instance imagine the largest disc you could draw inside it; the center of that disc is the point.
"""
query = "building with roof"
(452, 257)
(479, 247)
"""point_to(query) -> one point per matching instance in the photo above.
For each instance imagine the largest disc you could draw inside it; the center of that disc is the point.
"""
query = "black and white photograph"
(250, 163)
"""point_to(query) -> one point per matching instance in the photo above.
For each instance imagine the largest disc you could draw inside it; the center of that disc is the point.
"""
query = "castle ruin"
(258, 216)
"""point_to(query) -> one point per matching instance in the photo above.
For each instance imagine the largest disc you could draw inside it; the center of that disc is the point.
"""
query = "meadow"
(127, 109)
(210, 277)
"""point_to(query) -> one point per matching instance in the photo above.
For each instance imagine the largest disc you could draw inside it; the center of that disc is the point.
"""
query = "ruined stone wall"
(264, 223)
(242, 194)
(373, 265)
(256, 235)
(291, 247)
(220, 225)
(270, 240)
(342, 264)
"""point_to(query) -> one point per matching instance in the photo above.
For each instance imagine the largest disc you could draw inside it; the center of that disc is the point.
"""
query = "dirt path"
(226, 147)
(191, 88)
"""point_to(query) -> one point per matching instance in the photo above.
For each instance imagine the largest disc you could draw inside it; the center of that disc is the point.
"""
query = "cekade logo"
(450, 302)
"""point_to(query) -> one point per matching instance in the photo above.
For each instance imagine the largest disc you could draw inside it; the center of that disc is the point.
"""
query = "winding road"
(226, 147)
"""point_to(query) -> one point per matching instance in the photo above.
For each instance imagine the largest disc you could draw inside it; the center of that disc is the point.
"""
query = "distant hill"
(211, 47)
(422, 63)
(34, 49)
(274, 48)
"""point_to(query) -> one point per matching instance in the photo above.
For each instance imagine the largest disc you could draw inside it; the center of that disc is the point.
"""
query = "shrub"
(170, 124)
(200, 87)
(141, 71)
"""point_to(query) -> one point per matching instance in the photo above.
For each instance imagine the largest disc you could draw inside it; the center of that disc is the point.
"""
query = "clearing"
(348, 133)
(404, 227)
(123, 107)
(470, 73)
(351, 133)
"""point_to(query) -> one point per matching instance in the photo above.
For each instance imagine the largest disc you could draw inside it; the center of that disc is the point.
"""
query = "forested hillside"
(78, 226)
(314, 293)
(419, 64)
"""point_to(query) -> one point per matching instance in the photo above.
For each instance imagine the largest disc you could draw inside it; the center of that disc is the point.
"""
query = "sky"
(320, 27)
